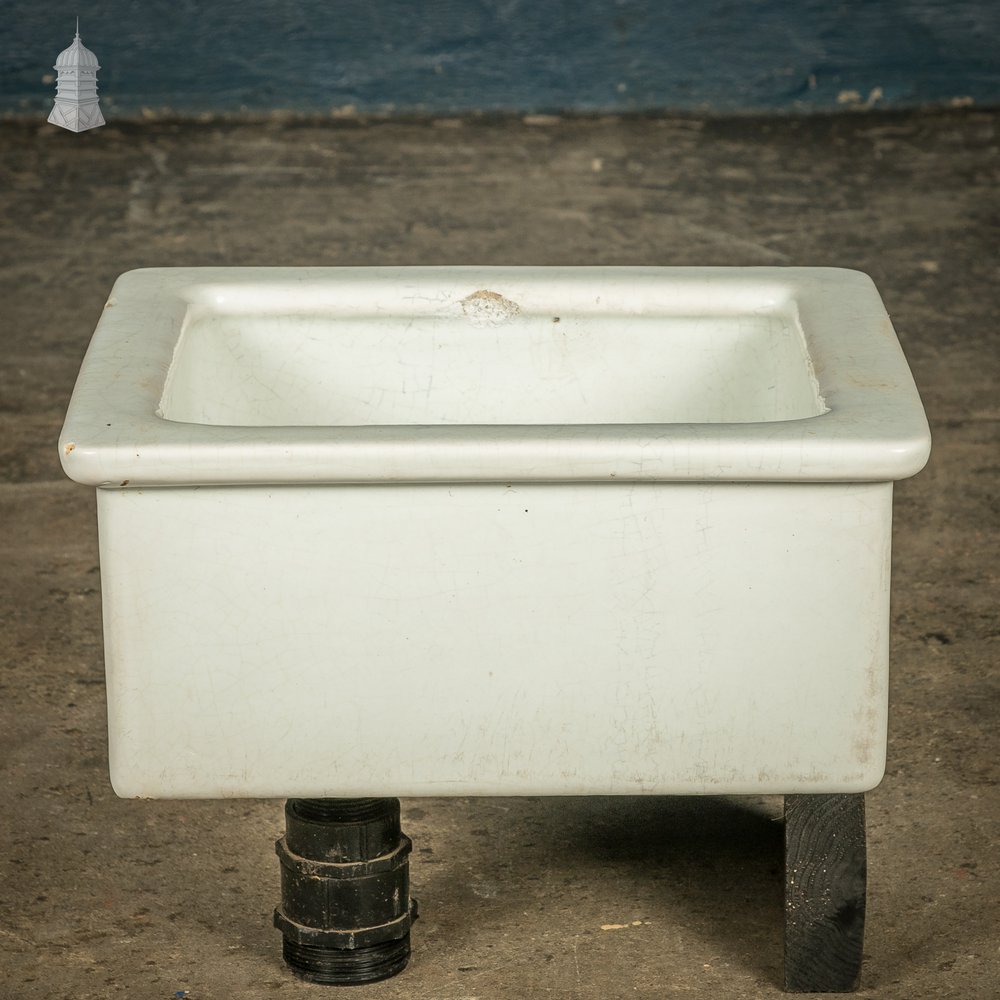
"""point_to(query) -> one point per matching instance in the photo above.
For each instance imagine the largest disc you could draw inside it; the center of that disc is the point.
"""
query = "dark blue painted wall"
(513, 55)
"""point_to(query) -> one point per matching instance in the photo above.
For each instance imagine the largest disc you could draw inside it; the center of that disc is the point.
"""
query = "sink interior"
(323, 369)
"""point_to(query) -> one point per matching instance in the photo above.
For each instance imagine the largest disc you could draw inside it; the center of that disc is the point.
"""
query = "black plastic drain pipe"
(345, 910)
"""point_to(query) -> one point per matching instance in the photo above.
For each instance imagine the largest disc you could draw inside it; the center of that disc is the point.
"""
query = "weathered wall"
(516, 55)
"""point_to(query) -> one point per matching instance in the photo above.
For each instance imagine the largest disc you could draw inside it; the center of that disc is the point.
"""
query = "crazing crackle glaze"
(548, 530)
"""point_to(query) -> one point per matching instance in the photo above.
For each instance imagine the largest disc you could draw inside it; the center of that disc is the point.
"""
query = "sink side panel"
(484, 639)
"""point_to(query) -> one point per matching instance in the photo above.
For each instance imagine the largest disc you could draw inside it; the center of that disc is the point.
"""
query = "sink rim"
(874, 428)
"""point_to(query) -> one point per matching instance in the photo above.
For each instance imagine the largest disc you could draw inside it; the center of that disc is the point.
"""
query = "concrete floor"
(108, 898)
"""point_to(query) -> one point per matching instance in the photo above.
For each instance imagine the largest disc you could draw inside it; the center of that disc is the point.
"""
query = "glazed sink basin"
(487, 362)
(494, 530)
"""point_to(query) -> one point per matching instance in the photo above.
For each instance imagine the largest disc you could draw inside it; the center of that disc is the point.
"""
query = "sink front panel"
(369, 640)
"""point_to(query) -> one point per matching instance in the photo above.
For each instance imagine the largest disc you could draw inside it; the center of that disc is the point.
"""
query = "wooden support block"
(825, 878)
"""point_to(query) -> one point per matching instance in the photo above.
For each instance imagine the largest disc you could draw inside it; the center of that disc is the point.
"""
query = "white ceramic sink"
(339, 368)
(402, 531)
